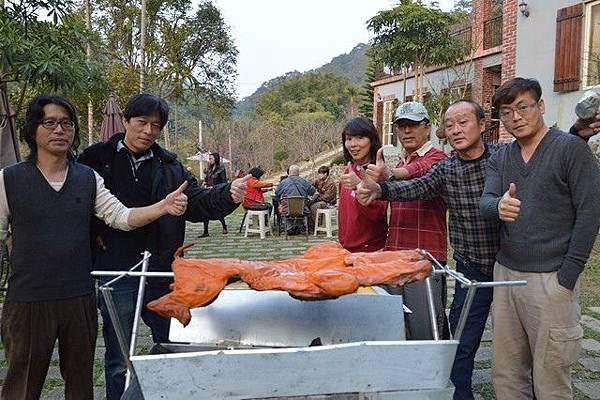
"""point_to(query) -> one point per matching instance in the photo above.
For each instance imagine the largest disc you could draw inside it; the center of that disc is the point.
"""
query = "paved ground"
(586, 373)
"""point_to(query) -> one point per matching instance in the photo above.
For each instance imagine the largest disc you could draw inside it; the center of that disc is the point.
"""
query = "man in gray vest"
(49, 201)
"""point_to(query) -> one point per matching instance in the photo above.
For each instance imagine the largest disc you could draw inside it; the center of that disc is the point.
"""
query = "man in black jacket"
(138, 171)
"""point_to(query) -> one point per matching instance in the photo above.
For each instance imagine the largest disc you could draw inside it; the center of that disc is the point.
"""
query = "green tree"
(308, 93)
(365, 106)
(40, 55)
(413, 35)
(189, 54)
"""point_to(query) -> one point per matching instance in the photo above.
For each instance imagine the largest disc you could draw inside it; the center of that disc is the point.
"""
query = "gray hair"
(294, 170)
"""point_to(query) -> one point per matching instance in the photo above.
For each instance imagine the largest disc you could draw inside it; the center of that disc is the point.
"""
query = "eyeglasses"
(523, 110)
(51, 124)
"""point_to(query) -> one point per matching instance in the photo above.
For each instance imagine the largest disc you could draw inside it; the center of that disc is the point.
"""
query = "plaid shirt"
(419, 223)
(460, 183)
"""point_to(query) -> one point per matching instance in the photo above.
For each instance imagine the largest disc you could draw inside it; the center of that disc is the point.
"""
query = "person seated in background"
(293, 185)
(326, 194)
(239, 173)
(254, 199)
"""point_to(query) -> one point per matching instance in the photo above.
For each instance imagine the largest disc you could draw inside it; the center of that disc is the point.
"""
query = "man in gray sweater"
(544, 188)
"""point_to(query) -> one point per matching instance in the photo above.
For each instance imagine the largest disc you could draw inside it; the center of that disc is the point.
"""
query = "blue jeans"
(124, 296)
(462, 369)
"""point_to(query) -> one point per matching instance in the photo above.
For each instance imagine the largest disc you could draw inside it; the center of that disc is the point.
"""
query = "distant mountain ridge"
(350, 65)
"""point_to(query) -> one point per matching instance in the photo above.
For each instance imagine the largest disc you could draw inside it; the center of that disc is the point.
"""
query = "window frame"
(387, 122)
(587, 33)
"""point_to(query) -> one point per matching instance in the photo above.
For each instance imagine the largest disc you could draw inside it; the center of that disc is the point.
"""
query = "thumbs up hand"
(238, 189)
(379, 171)
(509, 206)
(176, 202)
(367, 190)
(349, 180)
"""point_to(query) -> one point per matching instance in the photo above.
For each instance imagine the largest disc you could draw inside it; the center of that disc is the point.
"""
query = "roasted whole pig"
(326, 271)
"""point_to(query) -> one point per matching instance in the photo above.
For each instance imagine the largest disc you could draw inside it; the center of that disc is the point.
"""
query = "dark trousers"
(223, 224)
(124, 296)
(462, 369)
(29, 332)
(414, 296)
(418, 324)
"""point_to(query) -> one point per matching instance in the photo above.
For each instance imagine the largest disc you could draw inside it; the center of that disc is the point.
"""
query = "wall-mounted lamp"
(524, 8)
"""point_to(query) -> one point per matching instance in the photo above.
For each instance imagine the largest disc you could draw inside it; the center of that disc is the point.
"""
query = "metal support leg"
(464, 313)
(472, 289)
(138, 313)
(432, 313)
(114, 317)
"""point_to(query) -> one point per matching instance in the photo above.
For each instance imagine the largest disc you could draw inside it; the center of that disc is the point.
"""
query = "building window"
(592, 45)
(389, 107)
(569, 50)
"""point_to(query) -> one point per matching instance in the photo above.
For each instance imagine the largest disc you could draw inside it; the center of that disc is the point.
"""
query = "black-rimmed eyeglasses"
(51, 124)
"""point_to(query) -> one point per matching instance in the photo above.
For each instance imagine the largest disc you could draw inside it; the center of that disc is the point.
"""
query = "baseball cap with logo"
(411, 110)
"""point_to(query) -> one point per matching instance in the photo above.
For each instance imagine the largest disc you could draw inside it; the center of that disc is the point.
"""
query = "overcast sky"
(277, 36)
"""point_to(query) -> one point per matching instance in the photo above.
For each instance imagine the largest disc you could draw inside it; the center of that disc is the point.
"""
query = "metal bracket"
(439, 269)
(114, 315)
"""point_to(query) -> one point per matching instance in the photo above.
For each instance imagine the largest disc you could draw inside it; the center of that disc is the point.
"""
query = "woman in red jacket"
(360, 228)
(254, 199)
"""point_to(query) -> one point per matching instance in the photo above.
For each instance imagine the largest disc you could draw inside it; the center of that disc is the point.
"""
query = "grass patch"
(483, 364)
(590, 282)
(590, 333)
(52, 384)
(98, 372)
(486, 391)
(579, 373)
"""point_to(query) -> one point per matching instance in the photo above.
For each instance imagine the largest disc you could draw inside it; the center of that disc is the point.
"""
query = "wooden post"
(143, 47)
(88, 59)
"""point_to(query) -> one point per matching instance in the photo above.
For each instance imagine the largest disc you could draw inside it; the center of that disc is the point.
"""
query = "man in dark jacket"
(138, 171)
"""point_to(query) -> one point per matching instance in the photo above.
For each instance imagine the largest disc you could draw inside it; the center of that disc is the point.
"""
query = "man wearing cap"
(459, 180)
(419, 223)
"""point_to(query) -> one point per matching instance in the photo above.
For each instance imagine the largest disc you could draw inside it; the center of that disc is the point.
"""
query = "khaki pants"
(535, 327)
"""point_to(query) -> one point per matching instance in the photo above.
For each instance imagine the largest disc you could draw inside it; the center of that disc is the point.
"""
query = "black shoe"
(205, 234)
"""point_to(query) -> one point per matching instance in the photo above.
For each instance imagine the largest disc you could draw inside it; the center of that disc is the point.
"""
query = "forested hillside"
(351, 66)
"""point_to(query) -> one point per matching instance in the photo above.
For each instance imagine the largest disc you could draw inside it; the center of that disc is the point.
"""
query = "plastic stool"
(327, 217)
(263, 226)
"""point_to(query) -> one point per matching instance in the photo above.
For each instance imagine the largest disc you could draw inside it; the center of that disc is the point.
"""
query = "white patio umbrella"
(203, 157)
(199, 156)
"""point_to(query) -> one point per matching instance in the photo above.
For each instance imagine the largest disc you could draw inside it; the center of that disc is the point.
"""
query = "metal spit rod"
(472, 289)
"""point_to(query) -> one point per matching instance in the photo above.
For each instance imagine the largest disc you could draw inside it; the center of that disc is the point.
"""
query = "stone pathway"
(586, 373)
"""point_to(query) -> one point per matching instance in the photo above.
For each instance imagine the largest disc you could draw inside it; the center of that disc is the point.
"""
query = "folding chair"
(295, 212)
